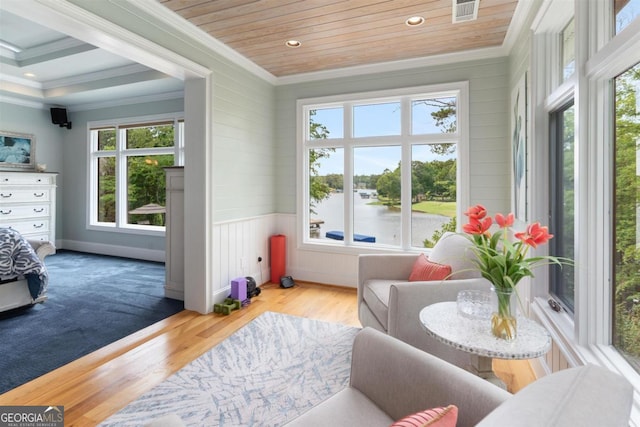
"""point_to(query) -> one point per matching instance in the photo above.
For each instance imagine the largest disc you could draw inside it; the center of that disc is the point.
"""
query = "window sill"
(561, 327)
(353, 249)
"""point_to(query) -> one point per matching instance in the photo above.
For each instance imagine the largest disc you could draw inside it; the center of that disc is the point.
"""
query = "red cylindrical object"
(278, 245)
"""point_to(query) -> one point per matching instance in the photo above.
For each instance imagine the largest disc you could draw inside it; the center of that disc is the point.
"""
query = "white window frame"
(406, 140)
(121, 153)
(600, 57)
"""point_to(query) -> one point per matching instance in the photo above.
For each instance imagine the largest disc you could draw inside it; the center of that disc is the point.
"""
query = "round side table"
(473, 336)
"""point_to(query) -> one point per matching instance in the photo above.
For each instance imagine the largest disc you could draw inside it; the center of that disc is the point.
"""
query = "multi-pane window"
(127, 181)
(626, 217)
(381, 170)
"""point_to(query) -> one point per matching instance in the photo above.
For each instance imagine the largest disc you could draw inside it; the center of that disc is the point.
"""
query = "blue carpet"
(93, 301)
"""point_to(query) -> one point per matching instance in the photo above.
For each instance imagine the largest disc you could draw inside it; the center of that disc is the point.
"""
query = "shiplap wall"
(489, 120)
(489, 164)
(239, 243)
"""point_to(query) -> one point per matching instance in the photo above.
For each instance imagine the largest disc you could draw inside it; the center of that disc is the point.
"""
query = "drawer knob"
(38, 194)
(6, 196)
(38, 225)
(38, 210)
(3, 212)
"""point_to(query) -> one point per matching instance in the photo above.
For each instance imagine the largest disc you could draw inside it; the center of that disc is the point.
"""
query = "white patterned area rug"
(266, 374)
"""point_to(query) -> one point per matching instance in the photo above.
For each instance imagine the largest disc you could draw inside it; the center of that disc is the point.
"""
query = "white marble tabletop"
(443, 322)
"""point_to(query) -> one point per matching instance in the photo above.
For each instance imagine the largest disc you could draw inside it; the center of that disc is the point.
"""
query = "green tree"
(335, 181)
(107, 177)
(145, 174)
(449, 226)
(389, 186)
(319, 189)
(445, 117)
(627, 223)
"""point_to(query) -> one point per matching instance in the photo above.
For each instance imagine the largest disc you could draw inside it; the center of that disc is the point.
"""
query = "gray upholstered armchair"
(388, 302)
(390, 380)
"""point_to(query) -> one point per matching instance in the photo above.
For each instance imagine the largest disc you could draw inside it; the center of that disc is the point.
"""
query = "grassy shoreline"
(447, 209)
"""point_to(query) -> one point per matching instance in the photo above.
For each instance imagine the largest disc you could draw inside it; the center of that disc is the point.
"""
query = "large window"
(127, 181)
(562, 150)
(594, 181)
(381, 170)
(626, 217)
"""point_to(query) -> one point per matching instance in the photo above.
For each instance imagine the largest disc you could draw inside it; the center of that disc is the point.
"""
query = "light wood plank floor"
(98, 385)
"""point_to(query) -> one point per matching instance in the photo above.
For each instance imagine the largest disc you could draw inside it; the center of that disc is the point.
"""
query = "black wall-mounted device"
(59, 117)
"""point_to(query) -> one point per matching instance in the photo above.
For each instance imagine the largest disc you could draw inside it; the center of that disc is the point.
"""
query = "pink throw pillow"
(436, 417)
(425, 270)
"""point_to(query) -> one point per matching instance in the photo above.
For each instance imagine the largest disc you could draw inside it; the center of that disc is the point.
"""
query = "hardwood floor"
(98, 385)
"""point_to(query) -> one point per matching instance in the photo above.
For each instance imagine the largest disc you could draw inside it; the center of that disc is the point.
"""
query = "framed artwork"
(519, 148)
(17, 150)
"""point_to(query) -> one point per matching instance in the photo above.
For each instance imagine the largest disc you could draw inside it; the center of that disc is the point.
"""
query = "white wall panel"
(239, 243)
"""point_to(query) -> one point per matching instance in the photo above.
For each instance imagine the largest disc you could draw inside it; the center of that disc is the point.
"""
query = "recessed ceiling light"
(414, 21)
(29, 75)
(293, 43)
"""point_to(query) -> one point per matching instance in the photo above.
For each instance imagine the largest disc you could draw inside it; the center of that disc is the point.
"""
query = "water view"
(379, 221)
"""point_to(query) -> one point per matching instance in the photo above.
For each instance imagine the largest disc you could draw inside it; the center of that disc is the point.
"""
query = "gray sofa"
(388, 302)
(390, 379)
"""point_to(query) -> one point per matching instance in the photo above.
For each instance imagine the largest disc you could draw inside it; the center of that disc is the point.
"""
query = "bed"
(23, 275)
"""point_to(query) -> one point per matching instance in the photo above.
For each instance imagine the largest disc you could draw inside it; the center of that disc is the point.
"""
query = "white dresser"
(28, 203)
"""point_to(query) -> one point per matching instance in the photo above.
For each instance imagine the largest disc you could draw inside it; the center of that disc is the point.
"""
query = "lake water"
(375, 220)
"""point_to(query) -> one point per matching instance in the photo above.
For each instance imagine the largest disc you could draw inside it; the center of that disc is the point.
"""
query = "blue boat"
(339, 235)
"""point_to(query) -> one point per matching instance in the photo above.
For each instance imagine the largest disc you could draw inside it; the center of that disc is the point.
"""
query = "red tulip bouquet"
(505, 263)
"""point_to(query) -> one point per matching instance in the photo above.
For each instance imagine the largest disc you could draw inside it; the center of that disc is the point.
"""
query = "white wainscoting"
(317, 266)
(239, 243)
(237, 246)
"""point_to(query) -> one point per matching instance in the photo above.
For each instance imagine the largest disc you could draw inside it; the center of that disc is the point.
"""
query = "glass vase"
(503, 318)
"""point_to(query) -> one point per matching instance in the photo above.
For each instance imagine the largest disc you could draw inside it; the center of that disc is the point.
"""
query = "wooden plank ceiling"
(342, 33)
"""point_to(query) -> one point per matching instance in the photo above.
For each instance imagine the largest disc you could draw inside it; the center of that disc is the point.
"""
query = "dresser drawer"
(28, 227)
(41, 237)
(11, 212)
(25, 179)
(11, 195)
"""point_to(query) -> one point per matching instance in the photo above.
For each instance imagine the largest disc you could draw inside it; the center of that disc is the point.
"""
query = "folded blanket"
(17, 258)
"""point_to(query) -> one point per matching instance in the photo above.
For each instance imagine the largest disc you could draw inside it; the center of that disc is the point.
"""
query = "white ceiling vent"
(465, 10)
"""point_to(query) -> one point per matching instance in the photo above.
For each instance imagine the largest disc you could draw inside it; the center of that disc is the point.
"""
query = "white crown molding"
(98, 75)
(20, 81)
(518, 23)
(128, 101)
(407, 64)
(197, 37)
(52, 48)
(22, 102)
(8, 53)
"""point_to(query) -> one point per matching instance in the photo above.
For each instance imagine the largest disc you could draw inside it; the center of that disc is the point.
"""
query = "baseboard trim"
(221, 294)
(173, 293)
(113, 250)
